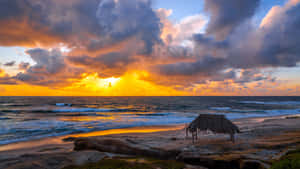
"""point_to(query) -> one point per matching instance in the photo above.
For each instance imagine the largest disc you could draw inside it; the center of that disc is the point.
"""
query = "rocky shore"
(262, 142)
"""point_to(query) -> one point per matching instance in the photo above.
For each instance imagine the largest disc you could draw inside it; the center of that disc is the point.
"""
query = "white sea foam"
(220, 108)
(84, 110)
(272, 103)
(63, 104)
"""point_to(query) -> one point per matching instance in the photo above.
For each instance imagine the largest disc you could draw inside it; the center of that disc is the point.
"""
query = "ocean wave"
(63, 104)
(272, 103)
(247, 111)
(63, 110)
(4, 118)
(14, 105)
(220, 108)
(153, 114)
(237, 114)
(86, 110)
(283, 112)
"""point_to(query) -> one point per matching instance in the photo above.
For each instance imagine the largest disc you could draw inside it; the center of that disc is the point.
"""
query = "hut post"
(193, 137)
(232, 137)
(186, 132)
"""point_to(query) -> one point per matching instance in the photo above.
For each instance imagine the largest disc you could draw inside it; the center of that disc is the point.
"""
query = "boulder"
(122, 147)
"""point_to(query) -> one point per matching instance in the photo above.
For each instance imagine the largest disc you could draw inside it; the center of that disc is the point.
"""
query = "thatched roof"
(214, 123)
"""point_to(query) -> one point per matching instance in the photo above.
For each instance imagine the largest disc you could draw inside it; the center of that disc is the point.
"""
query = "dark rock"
(122, 147)
(209, 162)
(52, 160)
(253, 164)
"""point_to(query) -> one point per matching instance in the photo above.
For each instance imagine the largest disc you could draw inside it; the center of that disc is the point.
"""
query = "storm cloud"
(205, 67)
(106, 65)
(226, 15)
(92, 24)
(50, 68)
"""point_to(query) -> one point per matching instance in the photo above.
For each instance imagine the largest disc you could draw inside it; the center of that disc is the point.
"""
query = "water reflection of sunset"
(149, 129)
(110, 117)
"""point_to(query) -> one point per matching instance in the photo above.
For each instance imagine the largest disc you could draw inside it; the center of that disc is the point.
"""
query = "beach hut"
(214, 123)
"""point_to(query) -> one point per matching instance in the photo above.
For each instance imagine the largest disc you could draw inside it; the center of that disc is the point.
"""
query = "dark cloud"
(204, 67)
(249, 75)
(111, 64)
(273, 45)
(6, 80)
(46, 62)
(50, 69)
(208, 46)
(120, 20)
(9, 64)
(93, 24)
(281, 40)
(226, 15)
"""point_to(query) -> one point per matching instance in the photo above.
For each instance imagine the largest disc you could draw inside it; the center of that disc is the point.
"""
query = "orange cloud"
(23, 34)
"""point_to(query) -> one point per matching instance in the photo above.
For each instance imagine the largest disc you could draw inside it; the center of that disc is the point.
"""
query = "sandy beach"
(261, 141)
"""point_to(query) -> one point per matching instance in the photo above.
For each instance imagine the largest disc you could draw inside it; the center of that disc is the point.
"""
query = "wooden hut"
(214, 123)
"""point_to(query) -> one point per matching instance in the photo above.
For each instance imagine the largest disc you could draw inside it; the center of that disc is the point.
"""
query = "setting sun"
(108, 82)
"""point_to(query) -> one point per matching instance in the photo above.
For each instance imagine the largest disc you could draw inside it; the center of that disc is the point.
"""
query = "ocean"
(29, 118)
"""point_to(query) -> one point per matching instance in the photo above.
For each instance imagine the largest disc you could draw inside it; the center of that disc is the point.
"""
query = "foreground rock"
(51, 160)
(122, 147)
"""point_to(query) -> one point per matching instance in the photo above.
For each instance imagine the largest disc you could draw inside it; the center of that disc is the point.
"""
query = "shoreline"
(59, 140)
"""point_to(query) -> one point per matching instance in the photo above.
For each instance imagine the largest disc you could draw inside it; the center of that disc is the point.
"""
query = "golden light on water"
(149, 129)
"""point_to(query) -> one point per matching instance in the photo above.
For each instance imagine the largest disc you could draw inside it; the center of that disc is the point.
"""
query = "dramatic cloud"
(109, 38)
(107, 65)
(119, 20)
(50, 68)
(106, 34)
(226, 15)
(274, 44)
(94, 24)
(205, 67)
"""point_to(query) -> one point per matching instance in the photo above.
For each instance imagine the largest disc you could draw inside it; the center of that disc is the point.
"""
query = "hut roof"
(214, 123)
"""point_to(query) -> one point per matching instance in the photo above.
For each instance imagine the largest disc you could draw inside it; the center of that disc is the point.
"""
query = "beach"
(261, 142)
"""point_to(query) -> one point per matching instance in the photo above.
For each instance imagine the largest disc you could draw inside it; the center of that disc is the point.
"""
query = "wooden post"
(232, 137)
(186, 132)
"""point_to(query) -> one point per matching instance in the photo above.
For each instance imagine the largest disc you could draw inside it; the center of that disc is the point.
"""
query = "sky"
(149, 48)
